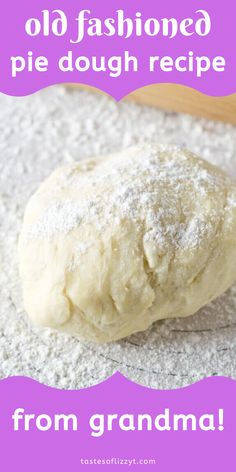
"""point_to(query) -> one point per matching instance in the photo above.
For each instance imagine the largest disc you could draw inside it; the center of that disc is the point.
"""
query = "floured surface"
(54, 127)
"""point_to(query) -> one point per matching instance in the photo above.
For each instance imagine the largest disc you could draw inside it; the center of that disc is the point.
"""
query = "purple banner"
(117, 46)
(116, 423)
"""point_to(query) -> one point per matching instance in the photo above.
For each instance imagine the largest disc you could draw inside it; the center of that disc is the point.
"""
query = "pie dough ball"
(112, 244)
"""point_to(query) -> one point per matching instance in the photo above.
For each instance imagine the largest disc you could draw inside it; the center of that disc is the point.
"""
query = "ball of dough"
(112, 244)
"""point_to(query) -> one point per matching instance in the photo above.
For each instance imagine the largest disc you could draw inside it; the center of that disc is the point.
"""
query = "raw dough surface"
(110, 245)
(35, 131)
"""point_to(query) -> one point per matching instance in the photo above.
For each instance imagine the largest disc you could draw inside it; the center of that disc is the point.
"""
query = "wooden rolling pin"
(184, 99)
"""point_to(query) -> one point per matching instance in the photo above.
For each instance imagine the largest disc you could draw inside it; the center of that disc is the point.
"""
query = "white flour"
(54, 127)
(136, 199)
